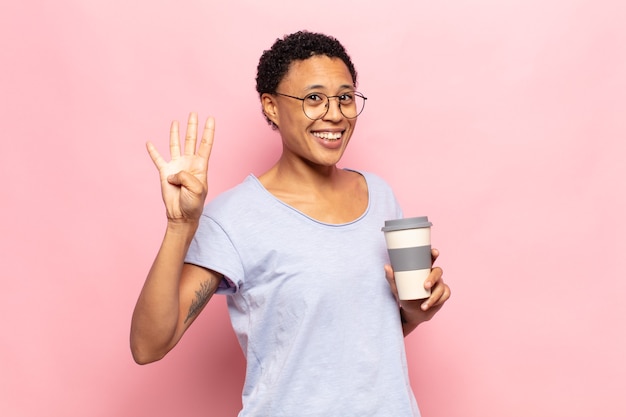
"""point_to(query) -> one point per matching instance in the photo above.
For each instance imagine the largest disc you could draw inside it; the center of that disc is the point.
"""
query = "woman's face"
(323, 141)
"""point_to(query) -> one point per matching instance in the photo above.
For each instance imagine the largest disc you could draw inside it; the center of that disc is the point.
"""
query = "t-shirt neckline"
(260, 186)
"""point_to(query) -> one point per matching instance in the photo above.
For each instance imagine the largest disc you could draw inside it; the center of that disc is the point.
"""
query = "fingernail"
(425, 306)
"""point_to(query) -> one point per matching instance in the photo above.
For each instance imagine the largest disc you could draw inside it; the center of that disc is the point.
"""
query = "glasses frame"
(356, 93)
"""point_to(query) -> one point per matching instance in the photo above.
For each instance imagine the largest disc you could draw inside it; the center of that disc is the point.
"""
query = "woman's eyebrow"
(319, 87)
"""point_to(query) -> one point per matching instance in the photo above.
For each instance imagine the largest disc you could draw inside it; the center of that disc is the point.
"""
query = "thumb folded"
(185, 179)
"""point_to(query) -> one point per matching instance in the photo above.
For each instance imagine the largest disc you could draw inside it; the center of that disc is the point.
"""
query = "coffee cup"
(408, 245)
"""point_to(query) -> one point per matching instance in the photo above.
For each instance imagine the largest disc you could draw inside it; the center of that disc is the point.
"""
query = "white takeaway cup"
(408, 245)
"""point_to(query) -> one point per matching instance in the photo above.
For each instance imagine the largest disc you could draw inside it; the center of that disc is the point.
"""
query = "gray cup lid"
(408, 223)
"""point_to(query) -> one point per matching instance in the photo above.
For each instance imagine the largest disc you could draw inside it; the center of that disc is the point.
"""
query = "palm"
(181, 202)
(184, 177)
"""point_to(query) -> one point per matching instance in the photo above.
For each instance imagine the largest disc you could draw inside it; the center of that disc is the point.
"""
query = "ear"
(270, 107)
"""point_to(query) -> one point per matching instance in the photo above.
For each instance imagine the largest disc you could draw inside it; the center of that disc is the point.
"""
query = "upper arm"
(197, 286)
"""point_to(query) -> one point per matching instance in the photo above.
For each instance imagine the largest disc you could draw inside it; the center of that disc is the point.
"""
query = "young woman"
(298, 251)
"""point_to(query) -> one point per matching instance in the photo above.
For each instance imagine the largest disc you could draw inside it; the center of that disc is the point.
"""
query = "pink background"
(503, 121)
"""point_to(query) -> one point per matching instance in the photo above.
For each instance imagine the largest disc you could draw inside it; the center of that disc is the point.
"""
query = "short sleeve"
(212, 248)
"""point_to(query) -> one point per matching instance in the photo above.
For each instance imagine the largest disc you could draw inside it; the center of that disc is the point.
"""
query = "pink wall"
(502, 121)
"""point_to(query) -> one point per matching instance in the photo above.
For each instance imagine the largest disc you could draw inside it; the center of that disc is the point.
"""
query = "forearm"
(155, 326)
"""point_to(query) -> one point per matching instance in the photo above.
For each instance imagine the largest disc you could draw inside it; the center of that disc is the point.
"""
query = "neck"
(303, 176)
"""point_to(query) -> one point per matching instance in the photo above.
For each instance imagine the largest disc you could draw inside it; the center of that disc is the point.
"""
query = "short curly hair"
(274, 62)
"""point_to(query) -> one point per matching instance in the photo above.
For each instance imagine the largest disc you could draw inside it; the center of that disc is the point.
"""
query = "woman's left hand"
(415, 312)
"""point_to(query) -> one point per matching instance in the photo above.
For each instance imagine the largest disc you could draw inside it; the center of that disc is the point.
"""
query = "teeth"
(327, 135)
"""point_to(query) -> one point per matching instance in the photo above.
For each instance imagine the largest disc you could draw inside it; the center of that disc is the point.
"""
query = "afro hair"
(274, 62)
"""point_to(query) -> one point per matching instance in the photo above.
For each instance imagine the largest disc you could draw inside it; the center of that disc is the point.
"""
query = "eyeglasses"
(316, 105)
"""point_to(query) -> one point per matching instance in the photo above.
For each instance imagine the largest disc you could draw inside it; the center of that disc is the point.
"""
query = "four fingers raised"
(206, 142)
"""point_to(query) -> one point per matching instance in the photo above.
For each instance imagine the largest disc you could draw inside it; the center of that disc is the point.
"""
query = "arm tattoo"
(202, 296)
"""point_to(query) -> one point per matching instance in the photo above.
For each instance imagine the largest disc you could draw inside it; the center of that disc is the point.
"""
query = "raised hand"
(184, 177)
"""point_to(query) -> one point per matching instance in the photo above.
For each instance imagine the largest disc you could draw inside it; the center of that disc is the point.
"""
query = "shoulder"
(240, 198)
(374, 181)
(382, 198)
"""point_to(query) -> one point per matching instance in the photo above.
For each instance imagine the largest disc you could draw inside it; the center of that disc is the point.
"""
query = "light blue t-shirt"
(309, 303)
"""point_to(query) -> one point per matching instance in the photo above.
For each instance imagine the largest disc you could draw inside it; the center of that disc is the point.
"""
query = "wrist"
(412, 312)
(409, 321)
(182, 226)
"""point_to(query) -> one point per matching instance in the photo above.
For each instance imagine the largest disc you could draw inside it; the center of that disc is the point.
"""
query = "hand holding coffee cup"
(409, 248)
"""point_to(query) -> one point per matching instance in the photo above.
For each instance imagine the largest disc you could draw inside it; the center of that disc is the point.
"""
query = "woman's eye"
(315, 100)
(346, 98)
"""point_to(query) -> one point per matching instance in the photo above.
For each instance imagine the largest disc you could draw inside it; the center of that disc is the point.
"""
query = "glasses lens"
(316, 105)
(351, 104)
